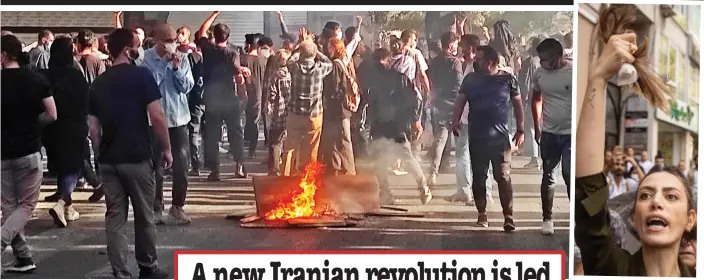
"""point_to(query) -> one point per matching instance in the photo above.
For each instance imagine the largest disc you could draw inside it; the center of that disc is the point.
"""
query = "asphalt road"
(79, 250)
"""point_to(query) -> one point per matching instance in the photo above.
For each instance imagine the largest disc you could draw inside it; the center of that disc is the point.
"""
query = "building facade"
(673, 38)
(26, 25)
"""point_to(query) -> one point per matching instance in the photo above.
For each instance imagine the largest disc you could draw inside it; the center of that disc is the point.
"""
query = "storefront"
(677, 132)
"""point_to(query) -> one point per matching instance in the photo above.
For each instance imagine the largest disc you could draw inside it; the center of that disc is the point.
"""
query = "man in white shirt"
(618, 184)
(644, 162)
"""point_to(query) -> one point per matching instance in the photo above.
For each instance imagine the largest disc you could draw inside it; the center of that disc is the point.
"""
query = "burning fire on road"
(304, 199)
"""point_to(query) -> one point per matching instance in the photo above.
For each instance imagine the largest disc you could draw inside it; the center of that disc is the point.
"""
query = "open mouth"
(656, 223)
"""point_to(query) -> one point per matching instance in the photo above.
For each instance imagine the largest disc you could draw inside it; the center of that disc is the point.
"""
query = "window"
(694, 19)
(694, 85)
(674, 64)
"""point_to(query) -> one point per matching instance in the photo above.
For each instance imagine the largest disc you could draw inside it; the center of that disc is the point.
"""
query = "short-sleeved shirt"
(119, 99)
(220, 65)
(489, 98)
(555, 87)
(91, 66)
(255, 83)
(22, 93)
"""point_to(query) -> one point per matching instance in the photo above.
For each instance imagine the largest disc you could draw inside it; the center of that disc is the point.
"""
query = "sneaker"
(223, 150)
(22, 265)
(97, 195)
(58, 214)
(194, 173)
(458, 197)
(177, 214)
(548, 228)
(399, 172)
(509, 226)
(71, 213)
(483, 220)
(425, 195)
(158, 218)
(433, 180)
(152, 273)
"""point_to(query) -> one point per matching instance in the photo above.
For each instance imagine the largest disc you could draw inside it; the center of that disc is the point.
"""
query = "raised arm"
(284, 29)
(116, 18)
(593, 234)
(352, 45)
(207, 24)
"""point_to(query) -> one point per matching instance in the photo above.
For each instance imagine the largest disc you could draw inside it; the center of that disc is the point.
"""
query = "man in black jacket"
(394, 108)
(446, 75)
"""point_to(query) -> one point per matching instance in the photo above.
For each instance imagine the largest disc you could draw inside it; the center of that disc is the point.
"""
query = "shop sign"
(681, 114)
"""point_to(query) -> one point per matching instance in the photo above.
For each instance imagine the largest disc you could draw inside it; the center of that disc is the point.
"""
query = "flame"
(302, 204)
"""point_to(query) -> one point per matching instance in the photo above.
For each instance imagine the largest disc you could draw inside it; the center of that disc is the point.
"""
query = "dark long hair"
(61, 53)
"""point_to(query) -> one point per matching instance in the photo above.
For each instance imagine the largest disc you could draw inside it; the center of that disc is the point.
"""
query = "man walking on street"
(445, 73)
(27, 104)
(172, 72)
(552, 115)
(123, 101)
(488, 92)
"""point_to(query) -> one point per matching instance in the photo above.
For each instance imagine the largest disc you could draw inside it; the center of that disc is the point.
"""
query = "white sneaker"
(425, 195)
(179, 216)
(158, 219)
(58, 214)
(71, 213)
(548, 228)
(433, 180)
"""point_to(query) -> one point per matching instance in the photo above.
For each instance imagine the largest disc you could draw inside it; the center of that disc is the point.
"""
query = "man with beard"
(488, 92)
(552, 120)
(140, 34)
(463, 171)
(222, 73)
(618, 183)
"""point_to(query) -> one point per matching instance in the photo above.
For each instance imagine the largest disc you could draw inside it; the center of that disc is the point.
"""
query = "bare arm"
(156, 115)
(460, 103)
(536, 105)
(49, 114)
(284, 29)
(352, 45)
(116, 18)
(517, 102)
(206, 24)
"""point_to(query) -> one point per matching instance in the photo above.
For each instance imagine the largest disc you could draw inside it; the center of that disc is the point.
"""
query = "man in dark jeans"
(552, 115)
(197, 109)
(446, 75)
(123, 101)
(172, 72)
(224, 103)
(488, 92)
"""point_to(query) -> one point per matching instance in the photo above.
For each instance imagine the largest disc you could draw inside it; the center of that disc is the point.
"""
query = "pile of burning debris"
(315, 200)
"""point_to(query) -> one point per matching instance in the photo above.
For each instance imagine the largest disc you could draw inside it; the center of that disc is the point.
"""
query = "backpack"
(352, 92)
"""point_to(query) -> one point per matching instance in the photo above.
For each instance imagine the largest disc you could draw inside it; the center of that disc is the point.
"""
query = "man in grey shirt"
(552, 117)
(39, 55)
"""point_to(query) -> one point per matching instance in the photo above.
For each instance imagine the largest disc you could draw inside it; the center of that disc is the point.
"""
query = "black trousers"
(179, 150)
(251, 129)
(195, 135)
(215, 115)
(87, 171)
(497, 153)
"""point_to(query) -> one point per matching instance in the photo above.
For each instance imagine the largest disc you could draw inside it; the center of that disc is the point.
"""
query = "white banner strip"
(369, 265)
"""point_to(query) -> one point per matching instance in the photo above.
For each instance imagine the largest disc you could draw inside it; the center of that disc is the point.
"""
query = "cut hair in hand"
(614, 21)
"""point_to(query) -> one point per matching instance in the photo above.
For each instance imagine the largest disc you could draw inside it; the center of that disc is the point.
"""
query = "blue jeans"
(66, 183)
(554, 149)
(464, 164)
